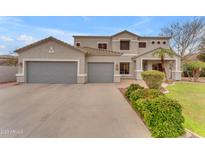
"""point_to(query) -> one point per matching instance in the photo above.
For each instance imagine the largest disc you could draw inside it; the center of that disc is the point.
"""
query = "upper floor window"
(124, 45)
(102, 45)
(78, 44)
(158, 42)
(142, 44)
(164, 42)
(153, 42)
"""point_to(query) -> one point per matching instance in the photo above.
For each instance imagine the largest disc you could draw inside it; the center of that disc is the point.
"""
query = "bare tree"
(186, 37)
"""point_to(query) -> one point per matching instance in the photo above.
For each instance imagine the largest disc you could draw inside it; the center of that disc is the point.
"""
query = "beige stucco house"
(93, 59)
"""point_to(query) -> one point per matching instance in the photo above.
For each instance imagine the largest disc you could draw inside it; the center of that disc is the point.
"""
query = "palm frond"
(161, 52)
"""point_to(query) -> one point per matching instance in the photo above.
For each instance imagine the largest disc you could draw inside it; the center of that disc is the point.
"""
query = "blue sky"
(16, 31)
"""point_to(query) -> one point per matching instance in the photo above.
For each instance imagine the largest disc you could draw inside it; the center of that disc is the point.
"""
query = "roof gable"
(125, 31)
(45, 41)
(148, 52)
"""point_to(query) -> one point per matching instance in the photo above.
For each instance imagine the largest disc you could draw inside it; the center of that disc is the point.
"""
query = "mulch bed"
(123, 90)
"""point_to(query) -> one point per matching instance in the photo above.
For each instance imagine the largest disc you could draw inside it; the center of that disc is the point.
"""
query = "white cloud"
(142, 25)
(14, 21)
(6, 38)
(25, 38)
(51, 31)
(143, 21)
(2, 47)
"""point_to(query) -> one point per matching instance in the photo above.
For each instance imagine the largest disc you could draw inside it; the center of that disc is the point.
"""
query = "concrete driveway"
(87, 110)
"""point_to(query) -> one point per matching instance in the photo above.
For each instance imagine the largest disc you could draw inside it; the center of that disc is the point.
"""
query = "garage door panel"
(52, 72)
(100, 72)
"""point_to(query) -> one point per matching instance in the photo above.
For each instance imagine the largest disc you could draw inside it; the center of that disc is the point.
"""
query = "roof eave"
(156, 37)
(94, 36)
(44, 40)
(151, 52)
(125, 31)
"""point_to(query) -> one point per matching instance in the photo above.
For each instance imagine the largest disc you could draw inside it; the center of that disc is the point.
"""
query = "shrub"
(144, 94)
(195, 68)
(153, 79)
(132, 88)
(137, 94)
(153, 93)
(162, 115)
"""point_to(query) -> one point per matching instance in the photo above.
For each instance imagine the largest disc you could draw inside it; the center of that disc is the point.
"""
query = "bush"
(153, 79)
(162, 115)
(144, 94)
(132, 88)
(194, 68)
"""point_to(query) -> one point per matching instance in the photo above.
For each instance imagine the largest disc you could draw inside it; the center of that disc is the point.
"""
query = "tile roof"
(99, 52)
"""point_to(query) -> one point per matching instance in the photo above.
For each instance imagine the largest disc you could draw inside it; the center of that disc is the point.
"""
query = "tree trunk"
(196, 74)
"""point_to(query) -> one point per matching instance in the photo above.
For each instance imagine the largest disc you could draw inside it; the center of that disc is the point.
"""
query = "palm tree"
(161, 53)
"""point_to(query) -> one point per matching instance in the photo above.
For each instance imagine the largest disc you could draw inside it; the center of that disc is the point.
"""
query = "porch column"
(176, 74)
(117, 75)
(139, 68)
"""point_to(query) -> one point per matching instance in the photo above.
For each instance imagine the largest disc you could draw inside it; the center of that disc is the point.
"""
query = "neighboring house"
(93, 59)
(8, 68)
(6, 60)
(193, 56)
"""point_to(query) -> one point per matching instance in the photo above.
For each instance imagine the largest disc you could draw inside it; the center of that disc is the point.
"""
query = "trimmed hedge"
(162, 115)
(153, 78)
(144, 94)
(132, 88)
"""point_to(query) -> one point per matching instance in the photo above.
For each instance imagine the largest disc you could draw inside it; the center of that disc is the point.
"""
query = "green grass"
(192, 98)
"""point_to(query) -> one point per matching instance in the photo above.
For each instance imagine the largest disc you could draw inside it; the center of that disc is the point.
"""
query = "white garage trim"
(117, 75)
(82, 74)
(54, 60)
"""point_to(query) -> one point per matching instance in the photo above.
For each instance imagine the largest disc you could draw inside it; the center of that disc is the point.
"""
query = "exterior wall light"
(116, 67)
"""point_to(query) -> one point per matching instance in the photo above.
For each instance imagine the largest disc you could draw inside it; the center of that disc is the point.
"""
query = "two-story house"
(94, 59)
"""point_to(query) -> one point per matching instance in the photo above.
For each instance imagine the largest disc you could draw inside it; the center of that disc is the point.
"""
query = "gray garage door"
(100, 72)
(52, 72)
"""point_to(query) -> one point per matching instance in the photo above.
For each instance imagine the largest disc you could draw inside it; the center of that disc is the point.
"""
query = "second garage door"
(100, 72)
(52, 72)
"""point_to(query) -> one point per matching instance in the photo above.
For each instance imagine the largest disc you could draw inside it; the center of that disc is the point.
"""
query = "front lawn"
(192, 98)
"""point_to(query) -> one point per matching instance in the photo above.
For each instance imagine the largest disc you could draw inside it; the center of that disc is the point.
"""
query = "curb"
(193, 134)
